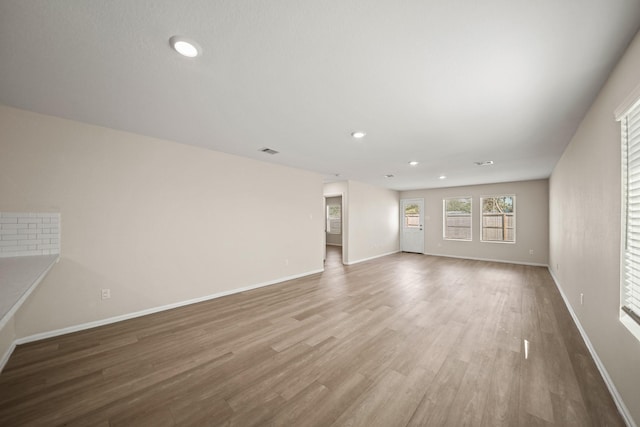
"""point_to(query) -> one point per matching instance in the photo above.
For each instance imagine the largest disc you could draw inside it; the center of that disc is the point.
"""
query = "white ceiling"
(446, 83)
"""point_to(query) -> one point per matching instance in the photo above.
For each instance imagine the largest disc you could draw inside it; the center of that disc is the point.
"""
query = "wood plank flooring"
(404, 340)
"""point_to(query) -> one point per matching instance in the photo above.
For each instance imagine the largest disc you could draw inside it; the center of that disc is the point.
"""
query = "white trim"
(401, 218)
(534, 264)
(624, 318)
(373, 257)
(622, 408)
(515, 218)
(630, 324)
(344, 224)
(444, 219)
(102, 322)
(7, 354)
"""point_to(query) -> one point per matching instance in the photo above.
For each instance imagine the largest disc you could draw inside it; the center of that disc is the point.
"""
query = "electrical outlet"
(581, 299)
(106, 293)
(286, 261)
(530, 251)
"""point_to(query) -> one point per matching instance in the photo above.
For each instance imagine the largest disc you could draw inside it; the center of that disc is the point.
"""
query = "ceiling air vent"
(268, 151)
(485, 163)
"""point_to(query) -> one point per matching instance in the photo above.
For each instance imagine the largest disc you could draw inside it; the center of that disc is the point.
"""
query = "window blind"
(631, 204)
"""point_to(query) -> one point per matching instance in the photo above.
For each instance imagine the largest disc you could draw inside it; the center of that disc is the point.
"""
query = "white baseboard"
(370, 258)
(534, 264)
(102, 322)
(603, 371)
(6, 355)
(622, 408)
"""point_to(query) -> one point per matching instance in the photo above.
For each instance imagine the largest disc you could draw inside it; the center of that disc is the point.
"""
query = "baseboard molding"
(534, 264)
(6, 355)
(622, 408)
(624, 412)
(333, 244)
(370, 258)
(110, 320)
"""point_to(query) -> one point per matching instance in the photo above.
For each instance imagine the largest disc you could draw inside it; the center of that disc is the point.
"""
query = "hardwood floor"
(404, 340)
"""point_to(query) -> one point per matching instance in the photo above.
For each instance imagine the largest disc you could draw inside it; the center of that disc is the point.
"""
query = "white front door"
(412, 217)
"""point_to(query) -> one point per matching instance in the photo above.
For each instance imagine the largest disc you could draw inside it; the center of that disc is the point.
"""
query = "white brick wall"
(29, 233)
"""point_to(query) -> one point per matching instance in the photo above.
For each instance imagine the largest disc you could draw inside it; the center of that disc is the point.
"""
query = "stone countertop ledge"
(19, 276)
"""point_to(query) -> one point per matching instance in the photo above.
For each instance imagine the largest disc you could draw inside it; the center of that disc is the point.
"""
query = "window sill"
(630, 324)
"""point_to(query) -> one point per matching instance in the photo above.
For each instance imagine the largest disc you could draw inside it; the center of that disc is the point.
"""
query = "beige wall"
(372, 222)
(532, 222)
(155, 221)
(585, 230)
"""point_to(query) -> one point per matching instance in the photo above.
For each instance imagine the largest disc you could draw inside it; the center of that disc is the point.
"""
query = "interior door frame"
(342, 225)
(401, 218)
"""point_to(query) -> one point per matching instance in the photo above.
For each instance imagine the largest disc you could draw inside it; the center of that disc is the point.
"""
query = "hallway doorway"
(334, 257)
(334, 228)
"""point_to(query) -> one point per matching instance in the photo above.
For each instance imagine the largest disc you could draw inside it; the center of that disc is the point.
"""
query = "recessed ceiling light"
(442, 177)
(485, 163)
(413, 163)
(358, 134)
(184, 46)
(388, 175)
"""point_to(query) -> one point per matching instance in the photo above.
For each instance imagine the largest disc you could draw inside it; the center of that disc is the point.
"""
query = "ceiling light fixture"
(184, 46)
(413, 163)
(442, 177)
(358, 134)
(485, 163)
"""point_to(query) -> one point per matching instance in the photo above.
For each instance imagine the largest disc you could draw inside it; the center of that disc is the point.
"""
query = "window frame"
(328, 219)
(405, 225)
(515, 215)
(444, 219)
(629, 318)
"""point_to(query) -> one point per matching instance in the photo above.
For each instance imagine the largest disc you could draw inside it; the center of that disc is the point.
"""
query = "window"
(457, 218)
(334, 219)
(630, 256)
(412, 216)
(498, 222)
